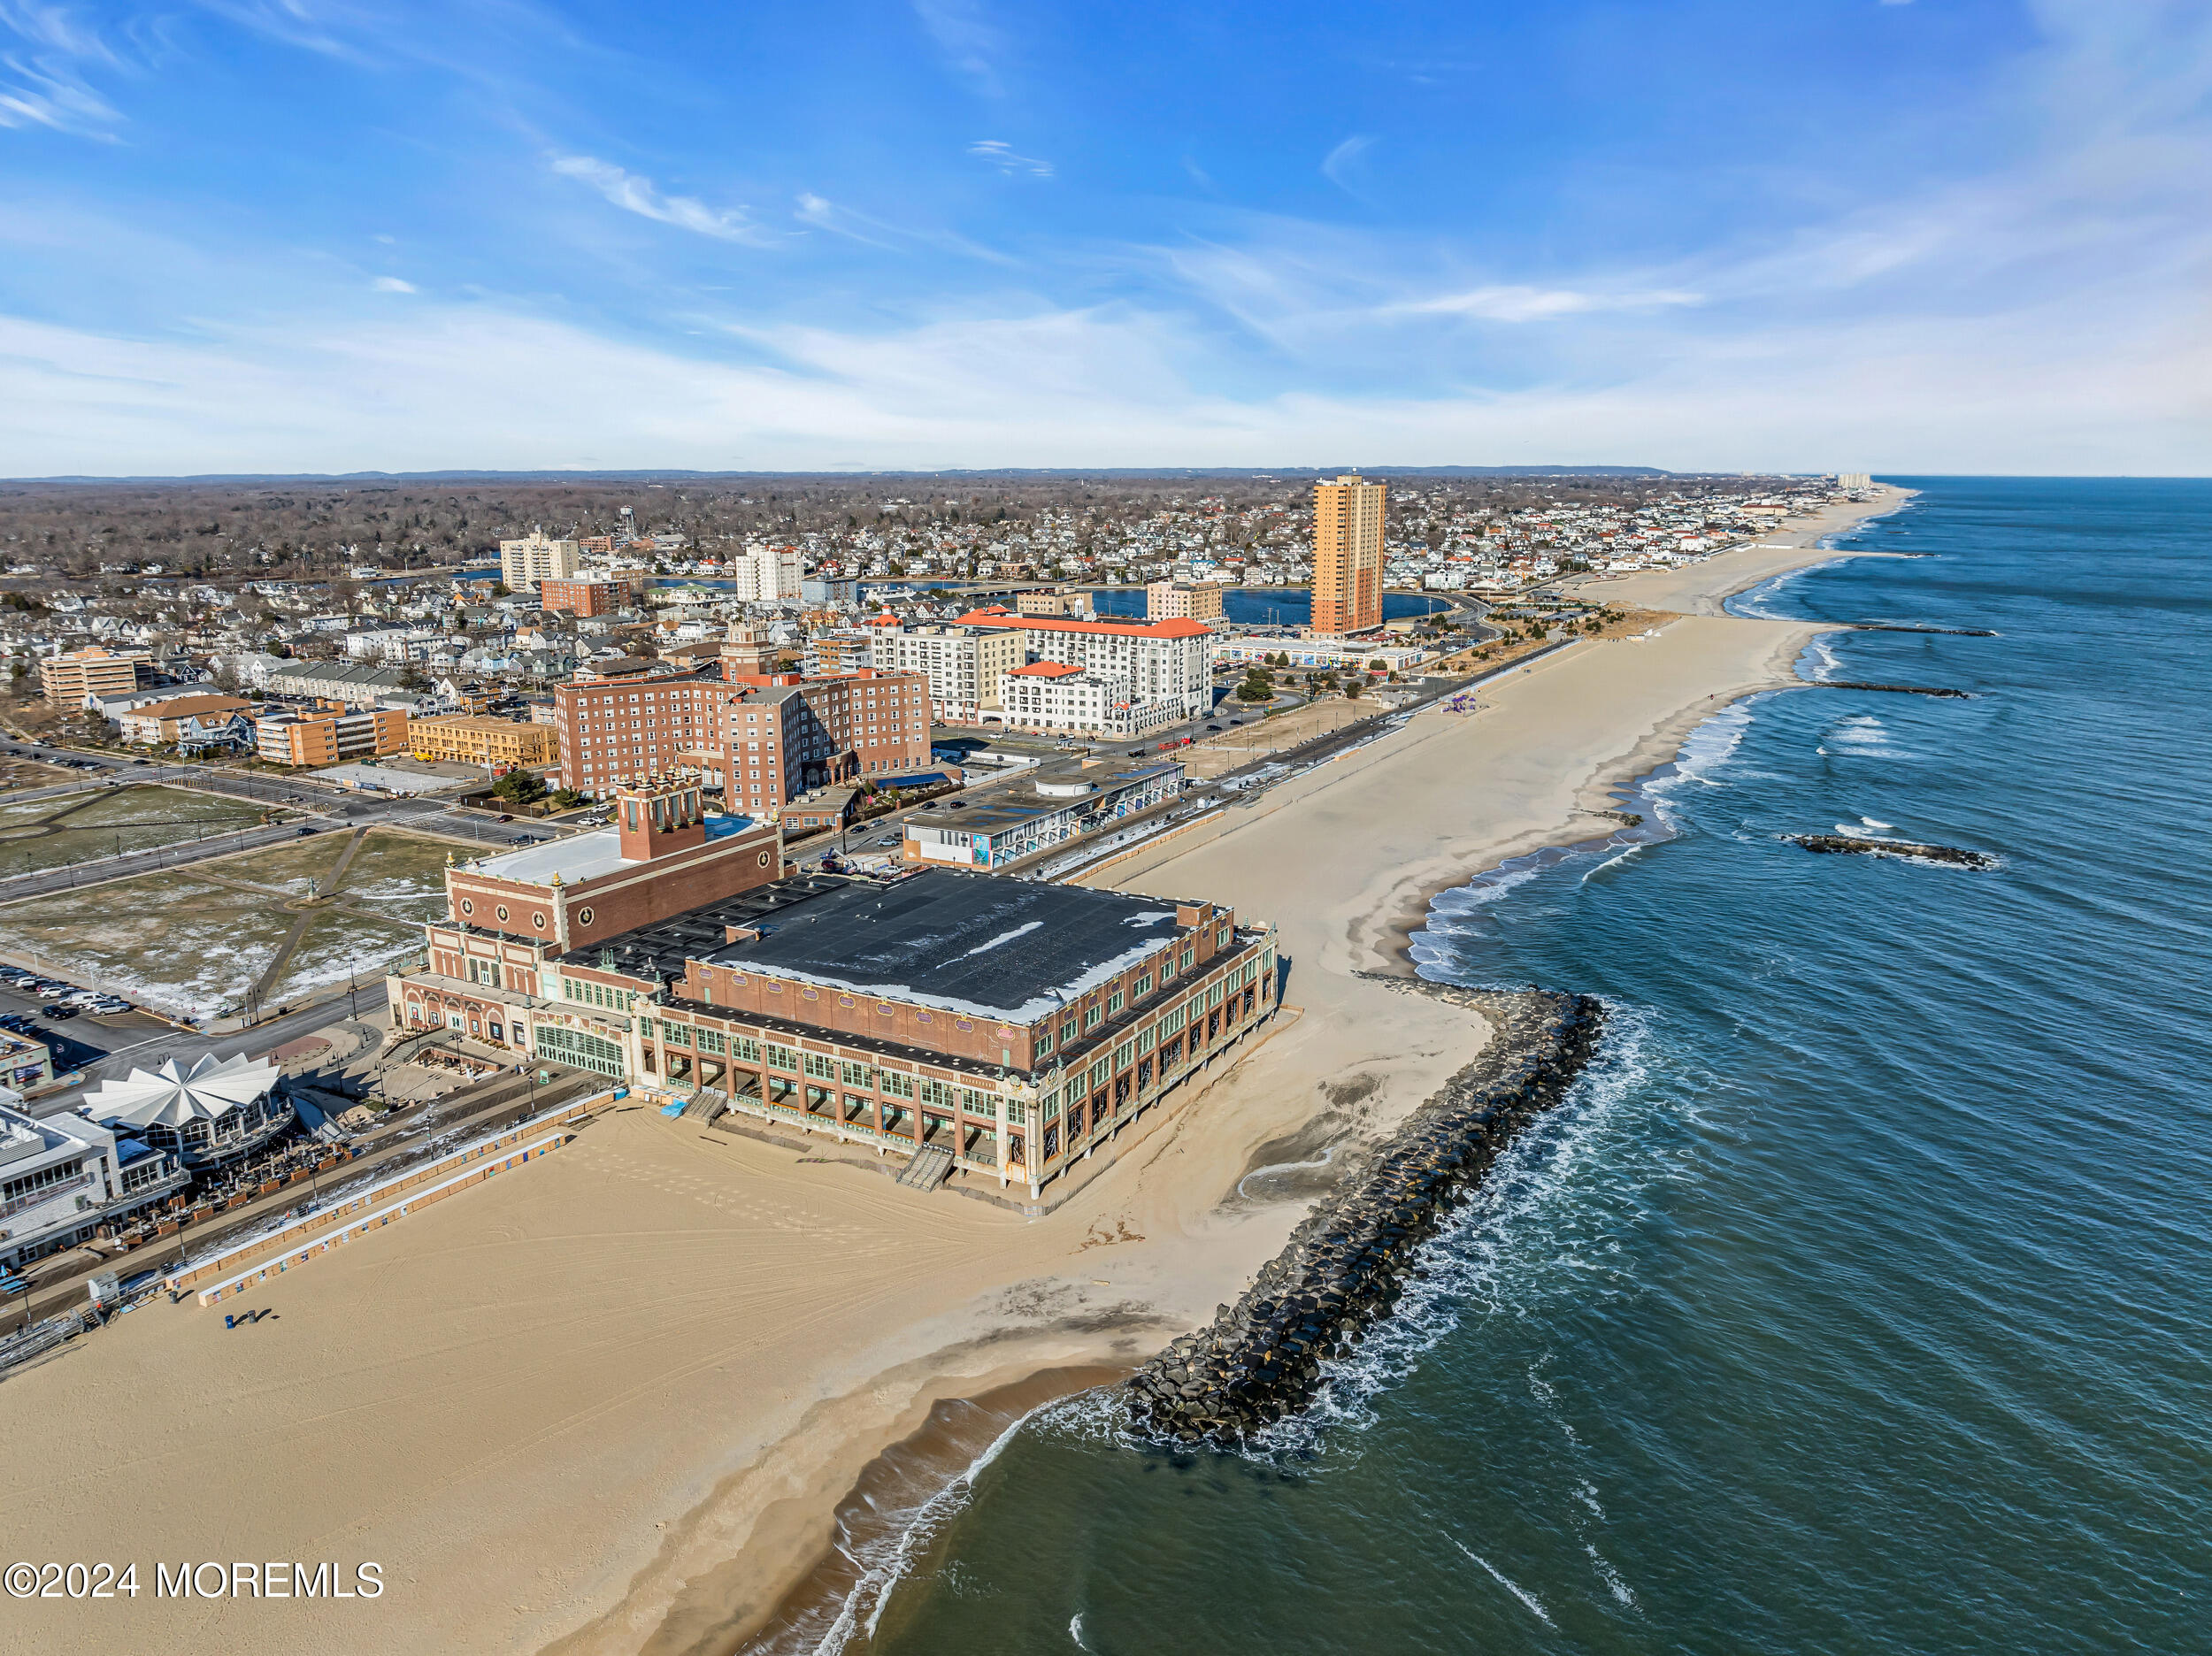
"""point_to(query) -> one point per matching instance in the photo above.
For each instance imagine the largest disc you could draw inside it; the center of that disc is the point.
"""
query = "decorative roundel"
(583, 917)
(538, 920)
(764, 859)
(500, 911)
(468, 907)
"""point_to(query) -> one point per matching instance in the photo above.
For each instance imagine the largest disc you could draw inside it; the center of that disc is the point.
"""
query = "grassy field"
(193, 941)
(81, 827)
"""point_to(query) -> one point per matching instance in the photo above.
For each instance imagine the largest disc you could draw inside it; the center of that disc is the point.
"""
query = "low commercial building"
(330, 736)
(63, 1177)
(26, 1063)
(67, 679)
(162, 722)
(216, 1112)
(1025, 817)
(1334, 655)
(501, 744)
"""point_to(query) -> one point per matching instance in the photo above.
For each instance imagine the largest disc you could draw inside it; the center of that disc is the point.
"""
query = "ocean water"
(1861, 1300)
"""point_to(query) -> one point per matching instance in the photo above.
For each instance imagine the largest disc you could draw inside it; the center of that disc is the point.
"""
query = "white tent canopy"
(170, 1097)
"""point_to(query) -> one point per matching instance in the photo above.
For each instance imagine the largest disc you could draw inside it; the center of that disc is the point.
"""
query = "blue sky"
(1800, 235)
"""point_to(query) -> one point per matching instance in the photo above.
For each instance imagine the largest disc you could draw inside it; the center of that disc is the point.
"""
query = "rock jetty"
(1902, 626)
(1346, 1265)
(1897, 689)
(1951, 855)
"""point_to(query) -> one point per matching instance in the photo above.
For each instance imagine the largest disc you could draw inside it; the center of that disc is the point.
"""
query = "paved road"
(104, 1047)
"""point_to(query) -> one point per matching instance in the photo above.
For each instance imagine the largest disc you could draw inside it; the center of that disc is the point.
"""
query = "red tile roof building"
(1166, 664)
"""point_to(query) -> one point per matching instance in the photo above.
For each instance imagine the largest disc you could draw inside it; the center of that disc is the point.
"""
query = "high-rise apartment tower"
(1347, 555)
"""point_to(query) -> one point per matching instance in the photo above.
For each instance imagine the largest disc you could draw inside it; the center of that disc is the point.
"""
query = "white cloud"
(1337, 165)
(1535, 304)
(635, 193)
(998, 151)
(971, 43)
(42, 82)
(392, 284)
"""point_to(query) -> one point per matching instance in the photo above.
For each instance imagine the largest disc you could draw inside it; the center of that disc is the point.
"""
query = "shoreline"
(704, 1344)
(1657, 747)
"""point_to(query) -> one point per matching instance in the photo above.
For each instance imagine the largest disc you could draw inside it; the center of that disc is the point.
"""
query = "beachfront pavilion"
(218, 1111)
(1008, 1025)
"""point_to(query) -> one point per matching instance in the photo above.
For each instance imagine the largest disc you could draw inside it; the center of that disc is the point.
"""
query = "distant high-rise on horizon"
(1347, 555)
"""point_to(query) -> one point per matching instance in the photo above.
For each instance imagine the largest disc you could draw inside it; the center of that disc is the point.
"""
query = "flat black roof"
(973, 943)
(665, 946)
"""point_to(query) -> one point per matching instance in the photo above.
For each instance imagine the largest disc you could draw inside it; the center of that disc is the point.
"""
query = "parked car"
(306, 831)
(53, 992)
(58, 1013)
(1213, 727)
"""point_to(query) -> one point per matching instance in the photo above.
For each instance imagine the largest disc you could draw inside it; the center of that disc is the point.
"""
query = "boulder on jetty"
(1951, 855)
(1347, 1263)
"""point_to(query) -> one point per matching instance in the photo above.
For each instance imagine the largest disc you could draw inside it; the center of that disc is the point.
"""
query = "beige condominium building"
(1182, 600)
(68, 679)
(466, 740)
(964, 664)
(536, 557)
(1347, 555)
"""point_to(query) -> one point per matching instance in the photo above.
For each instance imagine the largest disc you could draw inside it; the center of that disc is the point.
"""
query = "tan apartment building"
(68, 679)
(535, 558)
(330, 736)
(1347, 555)
(501, 743)
(964, 664)
(1182, 600)
(159, 721)
(1074, 605)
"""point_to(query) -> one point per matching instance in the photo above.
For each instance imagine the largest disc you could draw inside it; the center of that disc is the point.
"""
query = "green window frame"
(897, 1083)
(1124, 1054)
(820, 1068)
(710, 1041)
(782, 1058)
(747, 1049)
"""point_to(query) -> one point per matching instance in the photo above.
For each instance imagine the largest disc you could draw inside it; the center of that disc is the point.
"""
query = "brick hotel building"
(755, 737)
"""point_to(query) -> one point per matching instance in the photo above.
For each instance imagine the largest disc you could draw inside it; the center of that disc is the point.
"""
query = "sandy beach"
(609, 1403)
